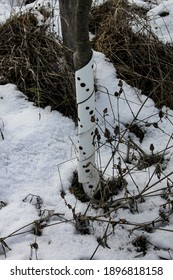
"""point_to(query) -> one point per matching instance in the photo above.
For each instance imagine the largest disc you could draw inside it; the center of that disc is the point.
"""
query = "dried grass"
(32, 58)
(140, 58)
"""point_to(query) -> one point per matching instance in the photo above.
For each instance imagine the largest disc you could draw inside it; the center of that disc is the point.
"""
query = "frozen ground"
(38, 158)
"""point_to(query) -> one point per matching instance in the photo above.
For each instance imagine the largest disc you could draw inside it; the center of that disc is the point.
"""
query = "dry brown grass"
(140, 58)
(32, 58)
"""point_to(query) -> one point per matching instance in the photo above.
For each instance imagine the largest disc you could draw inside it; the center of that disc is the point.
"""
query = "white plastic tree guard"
(88, 174)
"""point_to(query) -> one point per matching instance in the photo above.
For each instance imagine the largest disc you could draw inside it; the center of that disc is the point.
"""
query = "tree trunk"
(84, 76)
(83, 52)
(67, 13)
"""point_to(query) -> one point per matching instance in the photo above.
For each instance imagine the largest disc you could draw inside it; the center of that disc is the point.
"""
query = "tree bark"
(83, 52)
(67, 13)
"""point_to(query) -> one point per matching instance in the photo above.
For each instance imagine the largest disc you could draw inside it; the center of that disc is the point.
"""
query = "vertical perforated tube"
(87, 172)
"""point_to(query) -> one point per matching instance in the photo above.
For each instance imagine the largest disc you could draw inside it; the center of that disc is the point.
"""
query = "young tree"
(75, 32)
(84, 76)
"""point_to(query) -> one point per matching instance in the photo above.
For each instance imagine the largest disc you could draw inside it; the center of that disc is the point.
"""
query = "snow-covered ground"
(38, 157)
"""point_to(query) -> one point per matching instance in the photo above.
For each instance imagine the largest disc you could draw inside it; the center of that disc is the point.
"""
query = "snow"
(162, 25)
(38, 157)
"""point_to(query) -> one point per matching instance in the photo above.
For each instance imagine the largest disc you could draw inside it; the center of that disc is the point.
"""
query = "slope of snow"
(37, 160)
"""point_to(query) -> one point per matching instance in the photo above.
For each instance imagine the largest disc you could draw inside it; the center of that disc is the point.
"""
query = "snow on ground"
(37, 160)
(160, 19)
(159, 15)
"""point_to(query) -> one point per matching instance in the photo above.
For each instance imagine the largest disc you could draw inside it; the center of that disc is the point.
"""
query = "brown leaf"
(107, 133)
(120, 84)
(152, 148)
(105, 111)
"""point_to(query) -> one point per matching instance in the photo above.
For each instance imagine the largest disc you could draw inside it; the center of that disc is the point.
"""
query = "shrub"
(140, 58)
(32, 58)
